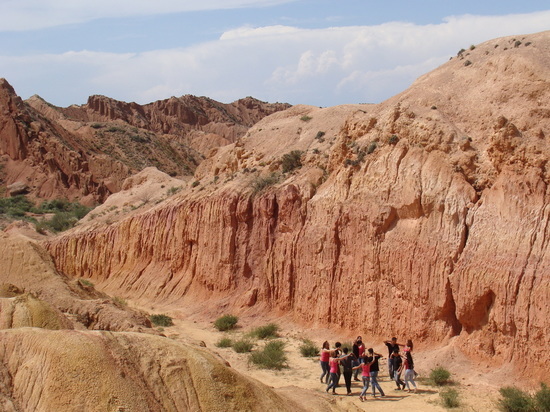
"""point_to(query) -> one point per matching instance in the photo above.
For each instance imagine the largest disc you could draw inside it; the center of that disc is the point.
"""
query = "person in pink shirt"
(365, 374)
(334, 362)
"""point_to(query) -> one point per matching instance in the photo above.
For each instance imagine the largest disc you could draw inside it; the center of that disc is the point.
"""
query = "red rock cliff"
(426, 216)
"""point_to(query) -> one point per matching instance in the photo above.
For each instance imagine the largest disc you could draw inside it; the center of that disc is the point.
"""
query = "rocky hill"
(425, 216)
(85, 152)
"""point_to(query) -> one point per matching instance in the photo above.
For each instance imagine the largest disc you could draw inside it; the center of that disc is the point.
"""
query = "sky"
(317, 52)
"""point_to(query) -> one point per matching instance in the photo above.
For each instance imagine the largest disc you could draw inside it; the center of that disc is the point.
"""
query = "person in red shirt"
(323, 361)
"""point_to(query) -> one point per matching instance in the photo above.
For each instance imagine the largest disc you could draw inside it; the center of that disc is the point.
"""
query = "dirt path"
(301, 380)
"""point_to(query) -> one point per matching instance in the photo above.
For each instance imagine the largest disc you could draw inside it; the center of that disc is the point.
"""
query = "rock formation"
(87, 151)
(102, 371)
(425, 216)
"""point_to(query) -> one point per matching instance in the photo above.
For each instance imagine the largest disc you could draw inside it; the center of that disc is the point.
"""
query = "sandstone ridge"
(425, 216)
(86, 152)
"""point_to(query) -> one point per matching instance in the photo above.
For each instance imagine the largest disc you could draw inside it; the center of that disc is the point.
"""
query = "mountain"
(425, 216)
(85, 152)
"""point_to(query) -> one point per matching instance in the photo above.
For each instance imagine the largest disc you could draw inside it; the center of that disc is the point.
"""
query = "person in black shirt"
(397, 362)
(374, 369)
(348, 363)
(392, 346)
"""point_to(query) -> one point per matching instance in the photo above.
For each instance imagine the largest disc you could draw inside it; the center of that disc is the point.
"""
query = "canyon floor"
(478, 387)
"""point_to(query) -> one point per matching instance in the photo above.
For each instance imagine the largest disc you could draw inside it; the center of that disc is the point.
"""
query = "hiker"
(334, 362)
(365, 374)
(323, 361)
(408, 365)
(358, 351)
(397, 364)
(348, 364)
(392, 345)
(373, 358)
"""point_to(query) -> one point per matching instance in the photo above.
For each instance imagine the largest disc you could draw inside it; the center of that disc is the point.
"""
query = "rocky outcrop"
(425, 216)
(102, 371)
(33, 293)
(85, 152)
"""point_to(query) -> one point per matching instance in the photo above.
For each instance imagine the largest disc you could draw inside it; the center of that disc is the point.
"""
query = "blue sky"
(322, 52)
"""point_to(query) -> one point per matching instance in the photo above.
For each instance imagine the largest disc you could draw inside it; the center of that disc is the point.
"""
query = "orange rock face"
(425, 216)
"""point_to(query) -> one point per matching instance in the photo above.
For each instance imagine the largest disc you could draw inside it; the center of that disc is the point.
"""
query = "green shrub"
(226, 322)
(308, 349)
(267, 331)
(224, 343)
(394, 139)
(515, 400)
(292, 160)
(439, 376)
(542, 398)
(272, 356)
(161, 320)
(348, 345)
(242, 346)
(319, 135)
(121, 302)
(86, 283)
(195, 183)
(372, 147)
(260, 183)
(449, 398)
(305, 118)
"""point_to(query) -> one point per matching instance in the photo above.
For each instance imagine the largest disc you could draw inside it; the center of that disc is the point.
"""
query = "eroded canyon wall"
(424, 216)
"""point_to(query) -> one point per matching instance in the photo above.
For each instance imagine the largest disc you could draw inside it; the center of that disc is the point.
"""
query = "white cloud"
(20, 15)
(277, 63)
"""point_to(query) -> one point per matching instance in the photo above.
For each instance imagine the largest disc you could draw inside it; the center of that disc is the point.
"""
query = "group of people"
(339, 361)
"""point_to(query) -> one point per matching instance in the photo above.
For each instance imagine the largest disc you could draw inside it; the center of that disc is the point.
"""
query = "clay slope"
(102, 371)
(425, 216)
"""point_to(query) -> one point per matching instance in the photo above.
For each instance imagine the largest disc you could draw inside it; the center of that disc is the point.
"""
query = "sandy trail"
(300, 381)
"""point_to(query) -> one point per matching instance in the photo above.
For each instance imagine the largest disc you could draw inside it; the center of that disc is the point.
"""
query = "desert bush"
(306, 118)
(86, 283)
(121, 302)
(515, 400)
(260, 183)
(439, 376)
(308, 349)
(272, 356)
(195, 183)
(348, 345)
(394, 139)
(224, 343)
(161, 320)
(372, 147)
(174, 189)
(242, 346)
(449, 398)
(319, 135)
(542, 398)
(226, 322)
(467, 63)
(291, 161)
(265, 332)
